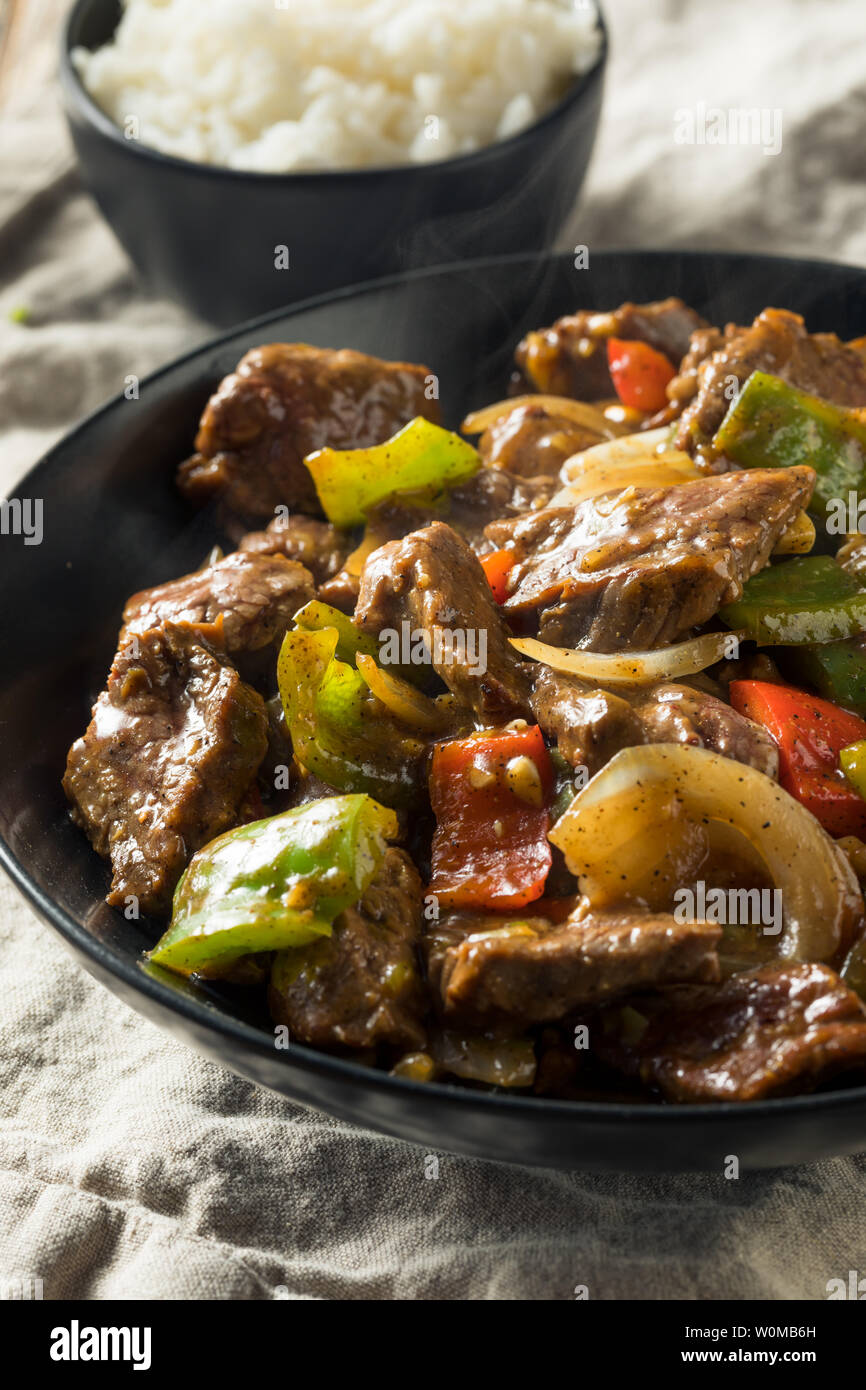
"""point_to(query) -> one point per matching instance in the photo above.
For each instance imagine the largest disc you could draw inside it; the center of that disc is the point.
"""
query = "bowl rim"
(202, 1014)
(77, 94)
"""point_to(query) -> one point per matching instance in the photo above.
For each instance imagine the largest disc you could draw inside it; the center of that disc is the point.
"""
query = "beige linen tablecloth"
(131, 1168)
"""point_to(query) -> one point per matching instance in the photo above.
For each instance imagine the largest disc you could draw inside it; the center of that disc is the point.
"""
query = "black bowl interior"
(113, 524)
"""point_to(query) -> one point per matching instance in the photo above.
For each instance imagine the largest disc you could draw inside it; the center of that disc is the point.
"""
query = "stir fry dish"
(531, 755)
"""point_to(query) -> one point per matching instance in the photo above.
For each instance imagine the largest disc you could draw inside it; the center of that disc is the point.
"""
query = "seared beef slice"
(766, 1032)
(591, 725)
(659, 563)
(536, 972)
(255, 597)
(490, 494)
(282, 402)
(673, 713)
(432, 580)
(570, 358)
(360, 986)
(778, 343)
(173, 745)
(532, 441)
(317, 545)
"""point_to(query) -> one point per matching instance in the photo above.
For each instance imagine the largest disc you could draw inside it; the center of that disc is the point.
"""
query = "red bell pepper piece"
(491, 794)
(640, 374)
(497, 566)
(810, 734)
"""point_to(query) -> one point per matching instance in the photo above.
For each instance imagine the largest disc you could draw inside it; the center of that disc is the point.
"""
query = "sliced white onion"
(588, 416)
(645, 445)
(600, 479)
(644, 818)
(635, 668)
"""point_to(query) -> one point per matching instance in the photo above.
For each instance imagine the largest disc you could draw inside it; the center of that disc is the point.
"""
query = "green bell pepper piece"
(837, 670)
(803, 600)
(315, 616)
(773, 425)
(565, 789)
(339, 730)
(853, 763)
(274, 883)
(421, 456)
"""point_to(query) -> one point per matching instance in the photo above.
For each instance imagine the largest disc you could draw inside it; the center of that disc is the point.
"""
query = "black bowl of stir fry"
(445, 703)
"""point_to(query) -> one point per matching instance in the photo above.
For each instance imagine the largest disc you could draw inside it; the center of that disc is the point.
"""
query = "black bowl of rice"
(250, 153)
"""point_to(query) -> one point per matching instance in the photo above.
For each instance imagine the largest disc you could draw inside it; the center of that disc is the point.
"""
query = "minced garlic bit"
(524, 779)
(498, 829)
(480, 777)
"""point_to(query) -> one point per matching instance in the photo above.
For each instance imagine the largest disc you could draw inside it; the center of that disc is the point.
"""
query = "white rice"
(280, 85)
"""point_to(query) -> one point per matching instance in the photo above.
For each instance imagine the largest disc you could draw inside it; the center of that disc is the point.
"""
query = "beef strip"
(673, 713)
(341, 592)
(683, 388)
(317, 545)
(570, 359)
(749, 666)
(643, 572)
(283, 401)
(175, 740)
(777, 342)
(490, 494)
(777, 1029)
(254, 596)
(361, 987)
(469, 508)
(591, 725)
(533, 441)
(433, 581)
(536, 971)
